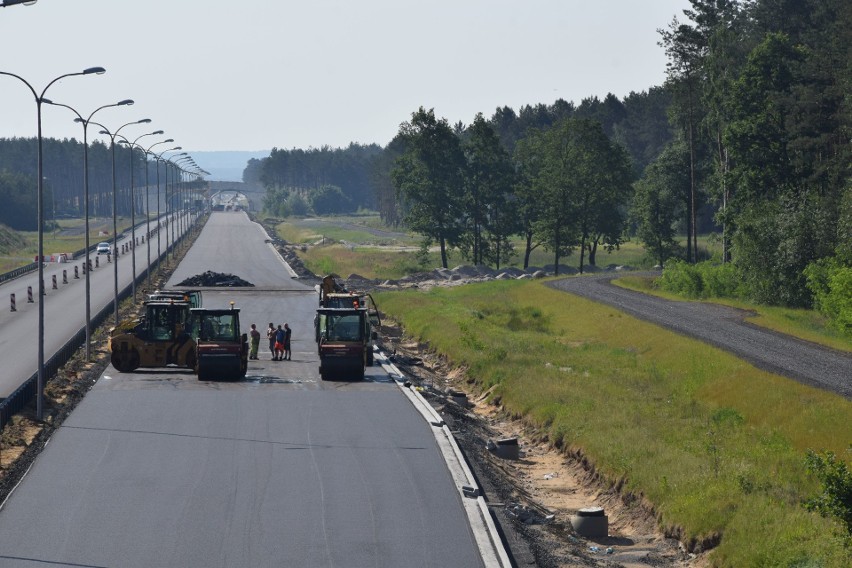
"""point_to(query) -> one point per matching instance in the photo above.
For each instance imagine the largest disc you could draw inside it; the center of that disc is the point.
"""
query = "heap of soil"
(215, 279)
(10, 240)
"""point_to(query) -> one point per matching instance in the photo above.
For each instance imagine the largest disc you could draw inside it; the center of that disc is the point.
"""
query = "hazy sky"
(257, 74)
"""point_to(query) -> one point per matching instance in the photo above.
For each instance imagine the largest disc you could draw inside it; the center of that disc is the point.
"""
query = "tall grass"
(365, 261)
(717, 445)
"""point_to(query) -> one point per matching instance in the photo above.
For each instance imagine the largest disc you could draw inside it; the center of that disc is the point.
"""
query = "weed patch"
(714, 443)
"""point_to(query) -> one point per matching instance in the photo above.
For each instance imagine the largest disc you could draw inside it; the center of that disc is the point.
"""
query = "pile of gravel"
(215, 279)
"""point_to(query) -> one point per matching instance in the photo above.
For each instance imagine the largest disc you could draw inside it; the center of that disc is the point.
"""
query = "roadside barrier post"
(54, 282)
(97, 262)
(64, 276)
(109, 257)
(12, 298)
(29, 294)
(89, 268)
(43, 288)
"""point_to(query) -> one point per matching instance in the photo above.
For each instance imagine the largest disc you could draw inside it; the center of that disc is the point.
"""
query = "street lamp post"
(112, 136)
(180, 189)
(40, 205)
(133, 145)
(159, 219)
(7, 3)
(148, 206)
(85, 122)
(170, 213)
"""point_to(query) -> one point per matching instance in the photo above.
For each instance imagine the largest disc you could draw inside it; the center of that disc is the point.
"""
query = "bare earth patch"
(543, 482)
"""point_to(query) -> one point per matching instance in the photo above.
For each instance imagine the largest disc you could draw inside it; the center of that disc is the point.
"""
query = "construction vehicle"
(207, 341)
(221, 350)
(193, 297)
(333, 295)
(344, 331)
(159, 339)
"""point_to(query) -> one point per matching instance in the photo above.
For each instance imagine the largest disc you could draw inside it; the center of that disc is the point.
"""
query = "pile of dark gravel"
(215, 279)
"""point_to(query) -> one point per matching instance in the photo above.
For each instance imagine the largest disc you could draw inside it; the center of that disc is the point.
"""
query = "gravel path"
(725, 328)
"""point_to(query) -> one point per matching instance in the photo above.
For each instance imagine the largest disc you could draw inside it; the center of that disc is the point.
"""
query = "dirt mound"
(215, 279)
(10, 240)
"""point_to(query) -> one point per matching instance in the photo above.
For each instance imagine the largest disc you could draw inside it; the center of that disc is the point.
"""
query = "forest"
(63, 179)
(748, 140)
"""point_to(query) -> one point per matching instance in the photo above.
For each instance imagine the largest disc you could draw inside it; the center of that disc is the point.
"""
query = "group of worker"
(279, 342)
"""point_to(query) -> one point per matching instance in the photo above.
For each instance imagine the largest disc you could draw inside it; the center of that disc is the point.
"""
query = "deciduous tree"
(430, 178)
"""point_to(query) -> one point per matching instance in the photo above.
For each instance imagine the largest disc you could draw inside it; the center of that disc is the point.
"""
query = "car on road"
(103, 248)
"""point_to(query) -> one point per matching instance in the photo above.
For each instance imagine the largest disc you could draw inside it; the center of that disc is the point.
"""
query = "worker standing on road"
(279, 344)
(254, 334)
(270, 335)
(287, 333)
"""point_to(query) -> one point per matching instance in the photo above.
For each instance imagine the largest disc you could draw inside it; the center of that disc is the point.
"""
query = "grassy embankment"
(716, 445)
(381, 258)
(19, 248)
(334, 249)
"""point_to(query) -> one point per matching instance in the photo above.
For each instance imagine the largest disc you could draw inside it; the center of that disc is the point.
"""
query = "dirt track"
(727, 329)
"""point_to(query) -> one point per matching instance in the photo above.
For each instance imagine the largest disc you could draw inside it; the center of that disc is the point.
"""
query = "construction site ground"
(534, 497)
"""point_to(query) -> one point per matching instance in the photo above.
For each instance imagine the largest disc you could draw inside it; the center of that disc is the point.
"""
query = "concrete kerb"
(271, 245)
(482, 525)
(284, 262)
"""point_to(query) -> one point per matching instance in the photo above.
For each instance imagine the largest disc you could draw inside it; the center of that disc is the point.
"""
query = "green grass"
(314, 230)
(25, 249)
(629, 253)
(365, 261)
(716, 445)
(809, 325)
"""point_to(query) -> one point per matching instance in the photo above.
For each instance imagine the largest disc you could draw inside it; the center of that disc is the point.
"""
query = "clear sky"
(257, 74)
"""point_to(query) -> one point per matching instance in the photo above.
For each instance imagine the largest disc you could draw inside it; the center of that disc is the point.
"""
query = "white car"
(104, 248)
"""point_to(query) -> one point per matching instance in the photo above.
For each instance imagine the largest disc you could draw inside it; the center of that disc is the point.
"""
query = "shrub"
(297, 205)
(682, 278)
(703, 280)
(836, 497)
(720, 280)
(831, 286)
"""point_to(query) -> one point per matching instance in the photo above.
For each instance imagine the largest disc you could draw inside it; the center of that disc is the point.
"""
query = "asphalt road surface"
(725, 328)
(64, 307)
(155, 468)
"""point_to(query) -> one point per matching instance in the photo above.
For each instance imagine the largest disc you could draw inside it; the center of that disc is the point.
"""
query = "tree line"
(63, 180)
(471, 204)
(323, 180)
(761, 114)
(748, 137)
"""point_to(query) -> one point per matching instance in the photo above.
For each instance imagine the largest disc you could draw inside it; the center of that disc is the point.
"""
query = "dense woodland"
(63, 180)
(749, 138)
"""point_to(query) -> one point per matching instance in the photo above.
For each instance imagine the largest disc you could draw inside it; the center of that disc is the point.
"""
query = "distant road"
(155, 468)
(725, 328)
(64, 308)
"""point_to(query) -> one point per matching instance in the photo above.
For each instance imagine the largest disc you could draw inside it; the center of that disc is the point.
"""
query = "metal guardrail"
(21, 270)
(26, 393)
